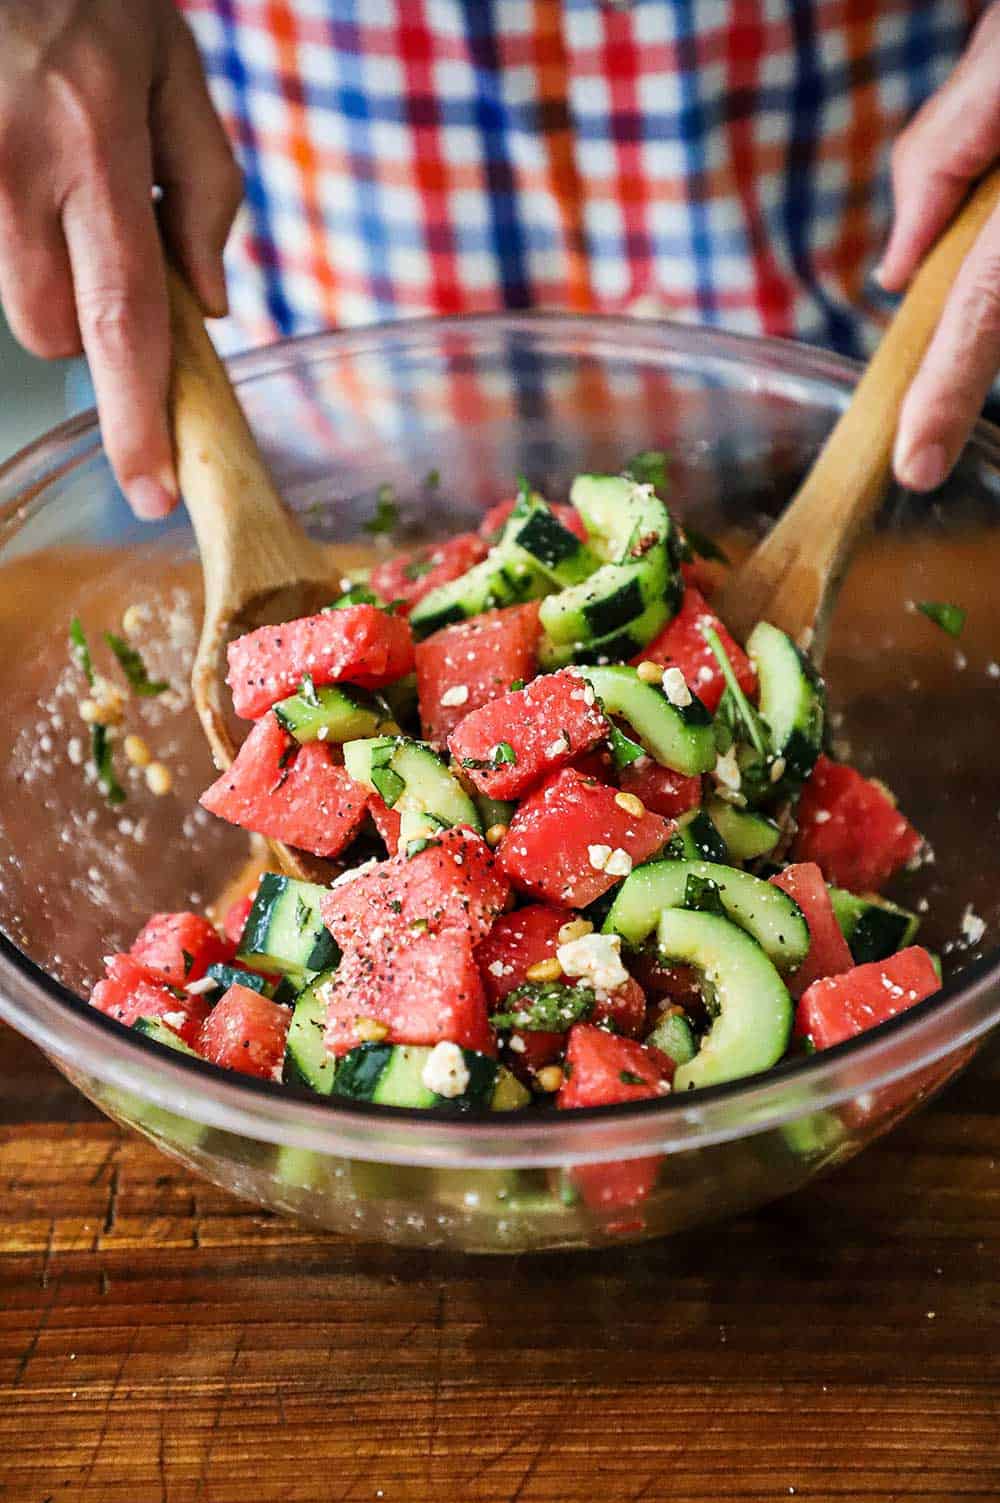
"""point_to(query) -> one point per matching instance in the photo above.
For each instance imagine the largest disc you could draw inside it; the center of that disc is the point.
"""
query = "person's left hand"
(951, 142)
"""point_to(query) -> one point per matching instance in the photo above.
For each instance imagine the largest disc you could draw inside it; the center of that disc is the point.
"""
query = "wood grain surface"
(160, 1342)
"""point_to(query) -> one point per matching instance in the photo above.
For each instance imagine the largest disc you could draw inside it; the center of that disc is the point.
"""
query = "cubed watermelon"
(454, 882)
(465, 666)
(425, 988)
(246, 1032)
(408, 577)
(235, 918)
(494, 520)
(851, 828)
(603, 1070)
(537, 729)
(130, 991)
(839, 1007)
(289, 792)
(387, 822)
(623, 1010)
(661, 789)
(681, 644)
(829, 954)
(357, 645)
(516, 942)
(617, 1186)
(568, 833)
(179, 946)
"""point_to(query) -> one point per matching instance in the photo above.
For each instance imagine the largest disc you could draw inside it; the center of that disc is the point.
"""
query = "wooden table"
(161, 1342)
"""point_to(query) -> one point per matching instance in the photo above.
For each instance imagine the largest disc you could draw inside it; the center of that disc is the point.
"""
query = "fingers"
(117, 266)
(36, 286)
(958, 369)
(194, 165)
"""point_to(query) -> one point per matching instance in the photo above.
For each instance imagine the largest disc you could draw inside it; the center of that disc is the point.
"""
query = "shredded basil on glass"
(134, 668)
(549, 1007)
(80, 650)
(950, 617)
(740, 708)
(102, 753)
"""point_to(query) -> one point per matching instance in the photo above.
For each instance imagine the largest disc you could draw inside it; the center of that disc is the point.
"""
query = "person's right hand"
(99, 100)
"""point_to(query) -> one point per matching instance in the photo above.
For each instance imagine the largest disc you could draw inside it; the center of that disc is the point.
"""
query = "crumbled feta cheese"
(598, 856)
(174, 1019)
(675, 688)
(595, 958)
(618, 864)
(727, 770)
(973, 927)
(495, 968)
(456, 695)
(559, 746)
(354, 872)
(821, 816)
(446, 1072)
(516, 1043)
(201, 986)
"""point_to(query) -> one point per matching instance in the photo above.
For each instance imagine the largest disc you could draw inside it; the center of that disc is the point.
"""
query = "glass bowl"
(447, 413)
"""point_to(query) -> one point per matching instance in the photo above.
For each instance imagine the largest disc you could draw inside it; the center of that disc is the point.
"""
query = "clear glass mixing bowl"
(447, 412)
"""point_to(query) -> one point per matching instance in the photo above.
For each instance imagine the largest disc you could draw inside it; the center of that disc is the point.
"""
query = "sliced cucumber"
(792, 704)
(765, 912)
(626, 643)
(630, 526)
(331, 714)
(751, 1007)
(494, 811)
(231, 975)
(160, 1033)
(284, 930)
(677, 736)
(696, 838)
(307, 1061)
(392, 1075)
(501, 579)
(674, 1037)
(534, 529)
(873, 927)
(413, 780)
(748, 835)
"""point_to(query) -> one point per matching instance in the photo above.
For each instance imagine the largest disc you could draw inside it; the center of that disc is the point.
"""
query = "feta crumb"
(446, 1072)
(174, 1019)
(456, 695)
(496, 968)
(727, 771)
(354, 872)
(200, 987)
(598, 856)
(973, 927)
(516, 1043)
(559, 746)
(821, 816)
(618, 864)
(675, 688)
(595, 958)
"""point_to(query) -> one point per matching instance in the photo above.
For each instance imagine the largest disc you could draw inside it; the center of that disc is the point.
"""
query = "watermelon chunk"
(603, 1070)
(839, 1007)
(288, 792)
(682, 645)
(245, 1031)
(474, 662)
(357, 645)
(455, 882)
(235, 918)
(387, 822)
(179, 946)
(425, 988)
(494, 520)
(850, 827)
(410, 576)
(543, 727)
(829, 954)
(623, 1010)
(130, 991)
(555, 838)
(661, 789)
(617, 1186)
(516, 942)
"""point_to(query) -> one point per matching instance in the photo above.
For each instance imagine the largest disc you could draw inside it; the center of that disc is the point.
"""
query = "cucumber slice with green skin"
(158, 1031)
(501, 579)
(231, 975)
(630, 527)
(680, 737)
(751, 1007)
(773, 919)
(284, 930)
(392, 1075)
(792, 704)
(331, 714)
(873, 927)
(626, 643)
(534, 528)
(414, 780)
(696, 838)
(494, 811)
(748, 835)
(674, 1037)
(401, 697)
(307, 1061)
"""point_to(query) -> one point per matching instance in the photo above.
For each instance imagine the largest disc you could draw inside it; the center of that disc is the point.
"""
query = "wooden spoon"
(791, 579)
(258, 566)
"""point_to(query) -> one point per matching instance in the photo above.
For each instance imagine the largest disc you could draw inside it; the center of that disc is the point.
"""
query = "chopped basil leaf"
(188, 959)
(386, 516)
(737, 707)
(629, 1077)
(650, 467)
(551, 1007)
(302, 913)
(134, 668)
(358, 594)
(950, 618)
(702, 894)
(432, 480)
(388, 783)
(504, 753)
(307, 691)
(81, 650)
(396, 905)
(703, 546)
(515, 685)
(623, 750)
(418, 567)
(101, 754)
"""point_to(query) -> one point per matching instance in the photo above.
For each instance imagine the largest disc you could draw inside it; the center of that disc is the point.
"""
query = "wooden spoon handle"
(791, 579)
(248, 543)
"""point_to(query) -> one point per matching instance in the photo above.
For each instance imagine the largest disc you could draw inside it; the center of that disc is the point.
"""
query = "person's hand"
(953, 139)
(99, 100)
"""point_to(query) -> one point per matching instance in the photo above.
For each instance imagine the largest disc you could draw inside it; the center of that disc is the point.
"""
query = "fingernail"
(149, 499)
(923, 469)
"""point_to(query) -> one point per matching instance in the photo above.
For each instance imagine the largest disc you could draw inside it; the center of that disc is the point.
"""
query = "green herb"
(395, 606)
(702, 546)
(420, 926)
(307, 691)
(80, 650)
(740, 707)
(516, 684)
(389, 784)
(418, 567)
(386, 517)
(432, 480)
(134, 668)
(551, 1007)
(396, 905)
(101, 754)
(623, 751)
(502, 753)
(188, 960)
(568, 1193)
(950, 618)
(629, 1077)
(650, 467)
(357, 595)
(303, 913)
(288, 755)
(702, 895)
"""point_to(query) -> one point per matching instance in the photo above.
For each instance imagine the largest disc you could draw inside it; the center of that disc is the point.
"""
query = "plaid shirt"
(719, 163)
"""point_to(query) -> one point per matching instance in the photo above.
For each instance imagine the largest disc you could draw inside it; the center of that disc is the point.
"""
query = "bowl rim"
(90, 1045)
